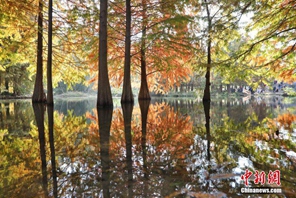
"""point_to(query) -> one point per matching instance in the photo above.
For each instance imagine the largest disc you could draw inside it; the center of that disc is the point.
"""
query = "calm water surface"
(168, 148)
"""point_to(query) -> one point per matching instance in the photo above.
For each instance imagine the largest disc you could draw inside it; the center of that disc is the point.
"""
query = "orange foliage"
(168, 53)
(286, 120)
(284, 74)
(287, 76)
(286, 3)
(289, 49)
(167, 131)
(172, 66)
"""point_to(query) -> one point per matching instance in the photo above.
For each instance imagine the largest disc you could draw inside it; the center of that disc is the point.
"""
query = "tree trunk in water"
(127, 94)
(144, 113)
(207, 93)
(144, 107)
(127, 110)
(39, 116)
(181, 88)
(207, 106)
(144, 89)
(49, 56)
(52, 149)
(104, 89)
(38, 94)
(105, 119)
(228, 88)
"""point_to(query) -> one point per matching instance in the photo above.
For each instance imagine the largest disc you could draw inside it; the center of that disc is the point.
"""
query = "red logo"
(274, 177)
(246, 177)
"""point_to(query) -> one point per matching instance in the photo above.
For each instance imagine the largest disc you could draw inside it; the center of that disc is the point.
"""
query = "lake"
(165, 148)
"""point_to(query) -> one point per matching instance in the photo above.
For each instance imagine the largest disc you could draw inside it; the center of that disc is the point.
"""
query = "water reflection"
(52, 149)
(105, 118)
(158, 149)
(127, 110)
(144, 107)
(39, 117)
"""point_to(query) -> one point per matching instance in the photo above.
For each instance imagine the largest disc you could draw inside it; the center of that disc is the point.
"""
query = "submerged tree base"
(104, 98)
(127, 98)
(39, 99)
(144, 95)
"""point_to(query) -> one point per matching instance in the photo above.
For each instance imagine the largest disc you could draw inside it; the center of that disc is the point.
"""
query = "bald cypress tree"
(104, 89)
(38, 94)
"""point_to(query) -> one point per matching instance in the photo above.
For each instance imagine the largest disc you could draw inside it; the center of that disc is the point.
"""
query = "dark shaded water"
(168, 148)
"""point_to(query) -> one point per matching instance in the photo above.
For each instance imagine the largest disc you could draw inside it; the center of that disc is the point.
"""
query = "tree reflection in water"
(39, 110)
(144, 107)
(105, 118)
(150, 150)
(52, 149)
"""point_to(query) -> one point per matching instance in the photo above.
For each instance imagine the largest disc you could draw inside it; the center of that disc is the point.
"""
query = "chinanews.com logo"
(273, 178)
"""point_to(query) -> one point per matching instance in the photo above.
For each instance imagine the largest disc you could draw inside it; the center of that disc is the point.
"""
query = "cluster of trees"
(162, 43)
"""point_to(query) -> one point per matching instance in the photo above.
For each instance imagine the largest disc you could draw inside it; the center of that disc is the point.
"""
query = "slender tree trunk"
(104, 89)
(6, 84)
(38, 94)
(181, 88)
(207, 93)
(49, 56)
(127, 94)
(144, 89)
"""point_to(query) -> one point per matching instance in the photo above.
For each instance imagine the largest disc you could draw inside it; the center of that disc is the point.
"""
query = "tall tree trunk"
(104, 89)
(127, 94)
(207, 93)
(144, 89)
(38, 94)
(49, 56)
